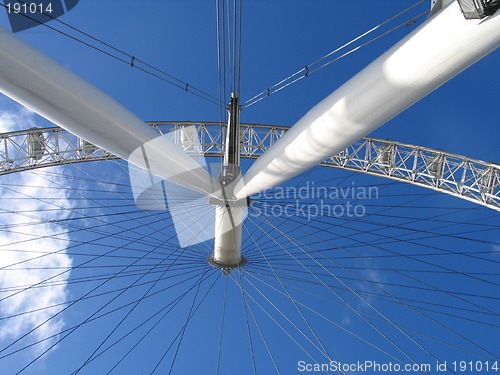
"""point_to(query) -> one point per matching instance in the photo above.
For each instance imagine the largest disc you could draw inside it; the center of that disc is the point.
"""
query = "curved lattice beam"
(463, 177)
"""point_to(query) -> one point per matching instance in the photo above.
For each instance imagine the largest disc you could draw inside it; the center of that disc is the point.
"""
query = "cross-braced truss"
(460, 176)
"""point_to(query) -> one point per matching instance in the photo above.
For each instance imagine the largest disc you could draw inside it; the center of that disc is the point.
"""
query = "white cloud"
(495, 250)
(27, 222)
(20, 118)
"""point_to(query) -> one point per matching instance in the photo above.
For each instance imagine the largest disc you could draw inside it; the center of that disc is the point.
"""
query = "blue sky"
(279, 38)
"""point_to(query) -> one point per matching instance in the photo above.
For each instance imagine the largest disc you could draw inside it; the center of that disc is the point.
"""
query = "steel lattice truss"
(469, 179)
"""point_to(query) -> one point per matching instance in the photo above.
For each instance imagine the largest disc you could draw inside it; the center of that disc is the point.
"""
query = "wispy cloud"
(29, 231)
(495, 250)
(17, 119)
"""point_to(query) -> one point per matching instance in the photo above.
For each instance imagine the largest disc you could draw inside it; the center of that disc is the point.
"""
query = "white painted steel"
(228, 219)
(445, 45)
(228, 230)
(36, 81)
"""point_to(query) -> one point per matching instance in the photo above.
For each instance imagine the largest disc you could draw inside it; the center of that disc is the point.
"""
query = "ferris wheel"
(151, 258)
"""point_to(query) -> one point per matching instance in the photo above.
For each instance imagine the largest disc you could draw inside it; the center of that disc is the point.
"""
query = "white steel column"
(36, 81)
(229, 212)
(445, 45)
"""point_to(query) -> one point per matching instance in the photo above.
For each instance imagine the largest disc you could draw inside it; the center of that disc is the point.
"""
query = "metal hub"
(226, 268)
